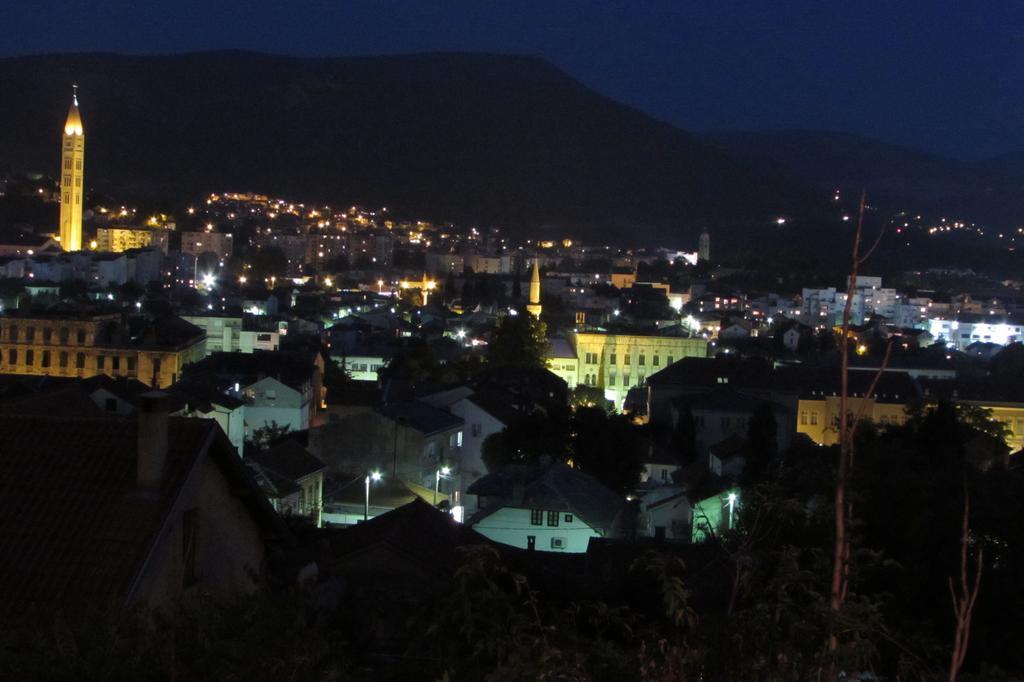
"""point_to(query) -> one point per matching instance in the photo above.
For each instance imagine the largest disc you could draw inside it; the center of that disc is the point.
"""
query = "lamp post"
(442, 472)
(372, 476)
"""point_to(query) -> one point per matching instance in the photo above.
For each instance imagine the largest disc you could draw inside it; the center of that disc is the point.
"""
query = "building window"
(81, 336)
(64, 333)
(625, 381)
(669, 361)
(642, 360)
(625, 359)
(78, 164)
(536, 517)
(657, 361)
(80, 361)
(30, 334)
(189, 545)
(100, 361)
(814, 418)
(67, 164)
(63, 359)
(476, 430)
(553, 518)
(568, 518)
(611, 379)
(803, 417)
(13, 333)
(47, 335)
(12, 356)
(30, 357)
(115, 363)
(46, 359)
(611, 359)
(156, 367)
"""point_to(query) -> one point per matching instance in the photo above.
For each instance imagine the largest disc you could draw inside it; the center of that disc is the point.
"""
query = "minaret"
(704, 246)
(533, 307)
(72, 177)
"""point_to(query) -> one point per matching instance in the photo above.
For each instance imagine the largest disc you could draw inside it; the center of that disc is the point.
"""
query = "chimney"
(154, 408)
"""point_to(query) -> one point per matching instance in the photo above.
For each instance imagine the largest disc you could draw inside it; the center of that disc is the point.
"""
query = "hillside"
(990, 192)
(501, 140)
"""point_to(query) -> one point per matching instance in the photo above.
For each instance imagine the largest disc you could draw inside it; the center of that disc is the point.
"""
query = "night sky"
(943, 76)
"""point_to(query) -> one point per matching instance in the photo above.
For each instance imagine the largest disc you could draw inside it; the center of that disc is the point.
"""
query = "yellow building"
(617, 362)
(818, 418)
(118, 239)
(87, 345)
(72, 178)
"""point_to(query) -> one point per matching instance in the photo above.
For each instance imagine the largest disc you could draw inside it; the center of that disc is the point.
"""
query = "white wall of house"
(659, 473)
(231, 421)
(479, 424)
(361, 367)
(665, 507)
(514, 526)
(269, 400)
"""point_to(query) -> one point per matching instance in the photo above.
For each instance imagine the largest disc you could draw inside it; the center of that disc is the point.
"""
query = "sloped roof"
(425, 418)
(74, 526)
(561, 348)
(416, 530)
(556, 487)
(289, 460)
(499, 404)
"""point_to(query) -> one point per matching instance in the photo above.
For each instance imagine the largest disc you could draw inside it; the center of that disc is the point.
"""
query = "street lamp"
(732, 507)
(371, 476)
(443, 472)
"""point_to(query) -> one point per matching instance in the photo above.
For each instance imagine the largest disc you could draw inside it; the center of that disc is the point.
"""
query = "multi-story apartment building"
(118, 239)
(198, 243)
(83, 345)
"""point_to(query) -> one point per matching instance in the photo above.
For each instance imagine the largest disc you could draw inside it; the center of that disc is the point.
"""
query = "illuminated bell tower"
(533, 307)
(72, 178)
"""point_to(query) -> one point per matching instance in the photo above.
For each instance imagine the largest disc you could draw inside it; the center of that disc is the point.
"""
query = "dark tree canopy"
(518, 341)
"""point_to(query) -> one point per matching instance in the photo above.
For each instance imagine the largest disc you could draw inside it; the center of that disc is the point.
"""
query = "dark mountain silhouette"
(988, 191)
(503, 140)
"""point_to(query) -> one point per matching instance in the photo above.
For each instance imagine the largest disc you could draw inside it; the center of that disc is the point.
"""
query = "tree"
(762, 443)
(842, 506)
(519, 341)
(269, 261)
(266, 435)
(590, 396)
(608, 447)
(684, 437)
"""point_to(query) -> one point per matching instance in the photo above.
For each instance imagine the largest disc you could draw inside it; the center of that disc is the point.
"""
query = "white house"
(549, 508)
(270, 401)
(665, 512)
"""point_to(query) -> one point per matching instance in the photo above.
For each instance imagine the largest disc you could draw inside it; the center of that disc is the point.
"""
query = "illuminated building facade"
(619, 361)
(118, 239)
(72, 177)
(92, 344)
(704, 246)
(968, 328)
